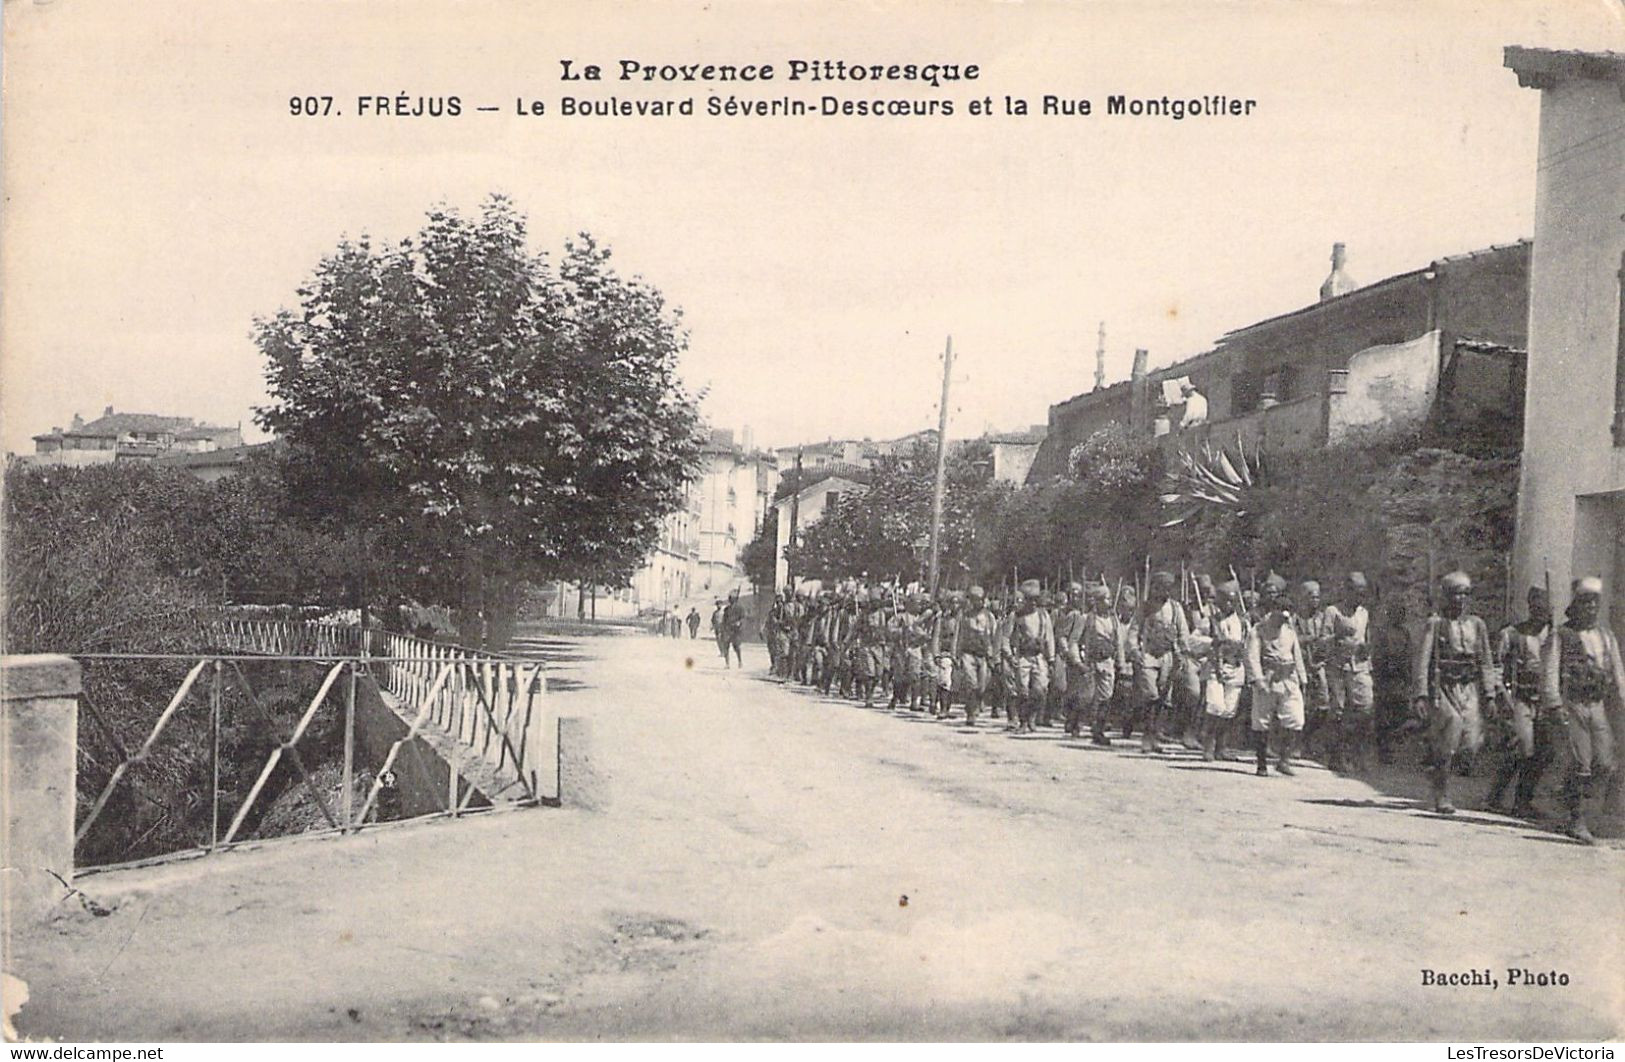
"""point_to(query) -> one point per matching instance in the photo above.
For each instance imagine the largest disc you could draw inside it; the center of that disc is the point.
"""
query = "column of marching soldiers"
(1216, 667)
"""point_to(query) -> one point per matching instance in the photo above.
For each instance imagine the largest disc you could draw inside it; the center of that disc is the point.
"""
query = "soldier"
(1124, 698)
(1028, 651)
(1348, 677)
(974, 631)
(733, 628)
(1004, 679)
(1391, 647)
(1101, 651)
(1533, 729)
(1315, 635)
(869, 646)
(1224, 671)
(1584, 678)
(840, 642)
(1163, 630)
(1453, 675)
(1065, 680)
(818, 642)
(943, 653)
(1276, 673)
(907, 634)
(1189, 692)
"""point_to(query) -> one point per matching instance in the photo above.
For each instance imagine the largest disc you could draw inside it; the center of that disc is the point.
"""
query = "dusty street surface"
(771, 864)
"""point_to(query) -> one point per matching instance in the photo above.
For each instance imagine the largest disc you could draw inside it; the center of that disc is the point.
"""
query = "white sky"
(159, 195)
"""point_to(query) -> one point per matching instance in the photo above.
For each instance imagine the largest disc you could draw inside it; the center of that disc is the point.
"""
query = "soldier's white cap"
(1031, 587)
(1230, 587)
(1309, 586)
(1358, 579)
(1275, 583)
(976, 591)
(1457, 580)
(1587, 585)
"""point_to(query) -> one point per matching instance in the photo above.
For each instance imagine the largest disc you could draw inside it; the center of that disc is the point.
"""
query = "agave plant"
(1215, 481)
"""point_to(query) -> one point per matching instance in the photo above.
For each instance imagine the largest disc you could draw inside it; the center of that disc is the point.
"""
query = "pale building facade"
(1571, 498)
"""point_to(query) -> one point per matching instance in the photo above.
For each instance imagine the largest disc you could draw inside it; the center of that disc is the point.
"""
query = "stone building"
(1439, 346)
(1571, 498)
(128, 437)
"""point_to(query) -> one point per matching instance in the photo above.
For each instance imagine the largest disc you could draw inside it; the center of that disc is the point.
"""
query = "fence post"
(39, 743)
(349, 753)
(214, 759)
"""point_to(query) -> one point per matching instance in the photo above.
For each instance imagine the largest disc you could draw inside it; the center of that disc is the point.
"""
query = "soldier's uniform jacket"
(1583, 667)
(908, 631)
(1227, 660)
(1275, 654)
(1099, 642)
(1128, 633)
(974, 633)
(1349, 648)
(1067, 629)
(1164, 630)
(1315, 635)
(1520, 650)
(1032, 635)
(1456, 652)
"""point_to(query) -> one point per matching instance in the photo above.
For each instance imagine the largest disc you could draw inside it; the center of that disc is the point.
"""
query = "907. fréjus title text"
(405, 105)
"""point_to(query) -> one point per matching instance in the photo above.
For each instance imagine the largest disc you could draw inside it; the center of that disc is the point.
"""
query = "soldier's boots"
(1509, 770)
(1261, 746)
(1210, 738)
(1440, 779)
(1289, 743)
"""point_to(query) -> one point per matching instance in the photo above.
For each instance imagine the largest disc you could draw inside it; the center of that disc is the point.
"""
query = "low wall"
(39, 741)
(422, 776)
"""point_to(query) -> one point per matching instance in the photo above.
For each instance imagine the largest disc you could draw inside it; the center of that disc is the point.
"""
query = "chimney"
(747, 439)
(1337, 282)
(78, 422)
(1139, 416)
(1100, 357)
(108, 412)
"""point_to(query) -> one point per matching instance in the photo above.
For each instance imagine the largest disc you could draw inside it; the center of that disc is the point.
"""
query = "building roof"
(1386, 284)
(1544, 68)
(854, 474)
(112, 425)
(1031, 437)
(205, 431)
(230, 455)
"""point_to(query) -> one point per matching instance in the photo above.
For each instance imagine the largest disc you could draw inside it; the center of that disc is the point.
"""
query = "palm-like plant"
(1214, 481)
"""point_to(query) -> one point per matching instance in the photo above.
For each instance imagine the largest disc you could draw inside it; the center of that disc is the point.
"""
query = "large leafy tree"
(482, 416)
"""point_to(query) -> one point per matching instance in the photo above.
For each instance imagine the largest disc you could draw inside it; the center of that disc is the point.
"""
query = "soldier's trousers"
(1153, 686)
(1457, 724)
(1097, 686)
(1590, 738)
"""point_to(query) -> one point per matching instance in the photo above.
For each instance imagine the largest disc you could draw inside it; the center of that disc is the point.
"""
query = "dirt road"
(771, 864)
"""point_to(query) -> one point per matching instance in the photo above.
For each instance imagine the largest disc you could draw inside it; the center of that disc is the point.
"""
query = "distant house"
(809, 505)
(1014, 452)
(853, 453)
(1571, 494)
(128, 437)
(1443, 345)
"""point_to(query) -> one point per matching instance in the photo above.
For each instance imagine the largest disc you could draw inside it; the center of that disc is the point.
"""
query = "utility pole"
(942, 465)
(795, 509)
(1100, 357)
